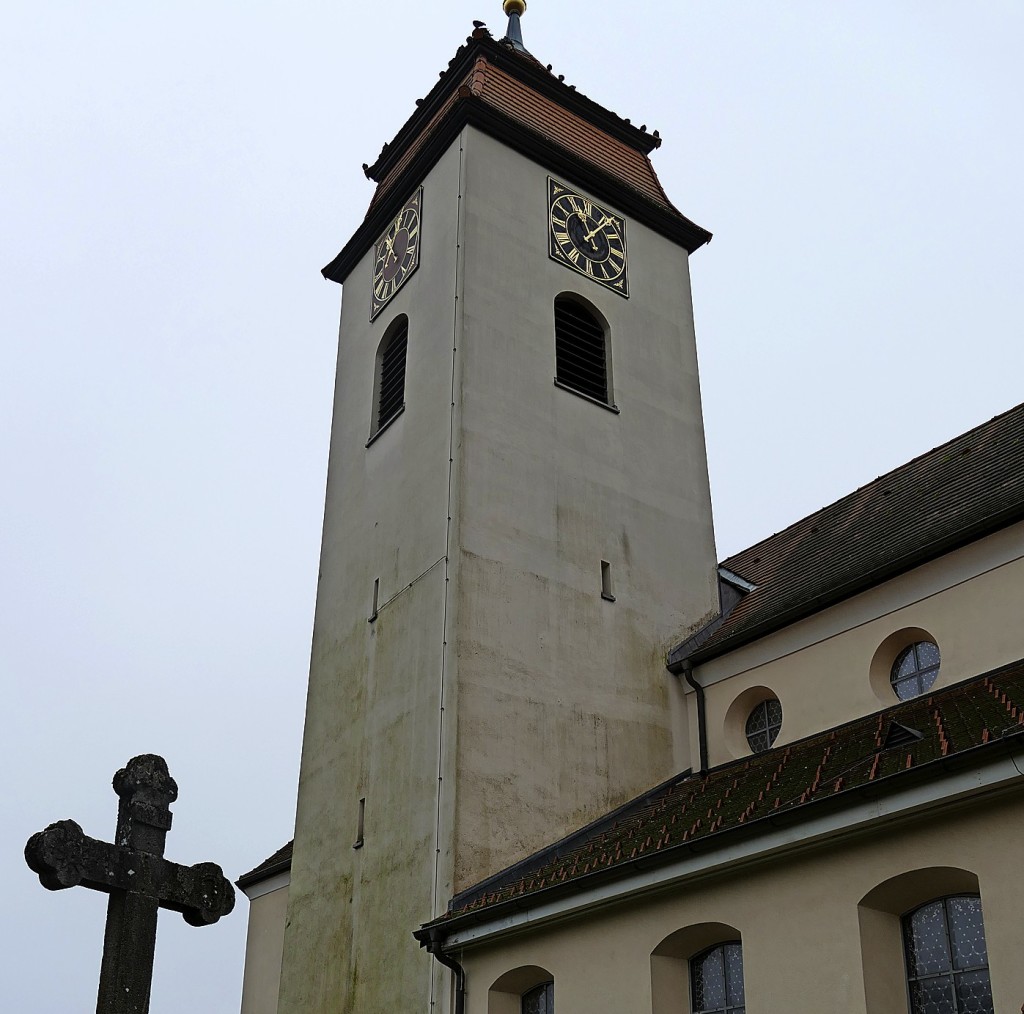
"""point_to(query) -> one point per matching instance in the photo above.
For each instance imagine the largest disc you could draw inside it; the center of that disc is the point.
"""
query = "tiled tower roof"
(508, 94)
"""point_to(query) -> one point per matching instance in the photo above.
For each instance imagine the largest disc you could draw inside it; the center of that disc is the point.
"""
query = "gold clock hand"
(607, 220)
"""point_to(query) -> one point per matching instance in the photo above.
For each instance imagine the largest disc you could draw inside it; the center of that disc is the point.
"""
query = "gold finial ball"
(514, 7)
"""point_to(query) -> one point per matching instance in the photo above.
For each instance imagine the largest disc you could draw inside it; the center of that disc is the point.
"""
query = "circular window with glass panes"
(763, 725)
(915, 670)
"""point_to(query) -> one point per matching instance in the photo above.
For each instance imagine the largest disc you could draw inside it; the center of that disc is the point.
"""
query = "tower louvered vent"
(391, 393)
(581, 358)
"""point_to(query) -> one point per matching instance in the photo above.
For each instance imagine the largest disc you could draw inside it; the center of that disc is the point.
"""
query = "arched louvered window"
(581, 350)
(390, 394)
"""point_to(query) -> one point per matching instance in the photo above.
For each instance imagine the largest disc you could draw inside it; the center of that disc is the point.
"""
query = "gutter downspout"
(686, 671)
(433, 943)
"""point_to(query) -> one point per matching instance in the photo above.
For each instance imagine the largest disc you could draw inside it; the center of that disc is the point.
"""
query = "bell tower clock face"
(587, 238)
(396, 255)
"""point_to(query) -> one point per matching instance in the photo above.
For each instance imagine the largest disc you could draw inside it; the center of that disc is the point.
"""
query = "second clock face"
(587, 238)
(396, 254)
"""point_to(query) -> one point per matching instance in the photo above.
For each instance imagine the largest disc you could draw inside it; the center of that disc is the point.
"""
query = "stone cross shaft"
(137, 878)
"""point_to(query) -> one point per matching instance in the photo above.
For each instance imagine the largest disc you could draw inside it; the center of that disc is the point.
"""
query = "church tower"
(517, 524)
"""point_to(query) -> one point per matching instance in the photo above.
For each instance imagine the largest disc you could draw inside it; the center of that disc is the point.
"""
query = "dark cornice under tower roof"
(501, 89)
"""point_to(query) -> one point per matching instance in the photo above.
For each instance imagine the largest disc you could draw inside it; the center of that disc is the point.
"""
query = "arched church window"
(581, 350)
(716, 980)
(915, 670)
(540, 999)
(946, 956)
(389, 396)
(764, 724)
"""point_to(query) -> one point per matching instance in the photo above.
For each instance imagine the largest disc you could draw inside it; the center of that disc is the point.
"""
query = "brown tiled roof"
(516, 99)
(973, 715)
(280, 861)
(961, 491)
(510, 95)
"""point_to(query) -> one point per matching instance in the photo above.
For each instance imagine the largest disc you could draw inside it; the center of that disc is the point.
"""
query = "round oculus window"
(915, 670)
(763, 725)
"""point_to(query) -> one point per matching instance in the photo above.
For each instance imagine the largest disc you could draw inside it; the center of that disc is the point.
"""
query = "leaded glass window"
(764, 724)
(947, 961)
(540, 1000)
(716, 980)
(915, 670)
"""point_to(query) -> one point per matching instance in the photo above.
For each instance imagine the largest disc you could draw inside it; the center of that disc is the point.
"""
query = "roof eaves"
(537, 859)
(869, 579)
(270, 868)
(470, 109)
(708, 843)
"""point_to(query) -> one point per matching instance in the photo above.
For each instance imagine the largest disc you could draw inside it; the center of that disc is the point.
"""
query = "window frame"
(769, 724)
(729, 1008)
(545, 988)
(920, 672)
(584, 306)
(953, 973)
(396, 329)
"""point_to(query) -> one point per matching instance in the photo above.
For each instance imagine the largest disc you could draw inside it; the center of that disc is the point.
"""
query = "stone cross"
(134, 873)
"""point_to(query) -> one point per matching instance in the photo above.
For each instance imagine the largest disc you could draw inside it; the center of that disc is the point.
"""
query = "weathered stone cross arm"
(136, 878)
(64, 856)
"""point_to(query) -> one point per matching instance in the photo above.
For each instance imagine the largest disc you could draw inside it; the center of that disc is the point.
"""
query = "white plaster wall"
(373, 704)
(264, 944)
(799, 919)
(563, 697)
(485, 511)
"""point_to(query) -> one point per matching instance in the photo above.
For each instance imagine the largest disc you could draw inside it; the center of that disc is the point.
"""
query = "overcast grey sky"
(172, 178)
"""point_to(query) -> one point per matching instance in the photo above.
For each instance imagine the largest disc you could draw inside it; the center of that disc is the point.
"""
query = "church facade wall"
(373, 708)
(496, 698)
(563, 698)
(834, 666)
(819, 928)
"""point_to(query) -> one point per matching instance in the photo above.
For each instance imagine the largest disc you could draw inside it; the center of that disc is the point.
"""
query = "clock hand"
(607, 220)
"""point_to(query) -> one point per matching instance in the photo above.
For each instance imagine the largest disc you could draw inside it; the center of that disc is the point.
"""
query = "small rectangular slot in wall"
(606, 581)
(376, 593)
(358, 843)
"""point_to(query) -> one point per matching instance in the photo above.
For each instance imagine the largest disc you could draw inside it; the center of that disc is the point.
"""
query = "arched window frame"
(880, 913)
(512, 990)
(539, 1000)
(576, 376)
(673, 958)
(734, 1001)
(389, 376)
(924, 985)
